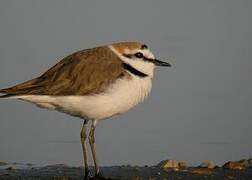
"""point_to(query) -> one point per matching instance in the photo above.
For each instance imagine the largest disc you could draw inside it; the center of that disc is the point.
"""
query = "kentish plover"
(93, 84)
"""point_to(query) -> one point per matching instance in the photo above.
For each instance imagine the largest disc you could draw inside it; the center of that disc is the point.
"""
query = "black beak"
(161, 63)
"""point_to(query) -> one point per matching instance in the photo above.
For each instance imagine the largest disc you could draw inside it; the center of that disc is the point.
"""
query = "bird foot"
(87, 174)
(99, 176)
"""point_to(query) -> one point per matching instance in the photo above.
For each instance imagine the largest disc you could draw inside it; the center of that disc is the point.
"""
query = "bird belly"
(120, 97)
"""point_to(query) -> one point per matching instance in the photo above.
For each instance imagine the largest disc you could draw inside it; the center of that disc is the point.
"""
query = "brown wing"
(85, 72)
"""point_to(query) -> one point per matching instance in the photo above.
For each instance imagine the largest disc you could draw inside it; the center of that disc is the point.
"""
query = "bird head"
(138, 55)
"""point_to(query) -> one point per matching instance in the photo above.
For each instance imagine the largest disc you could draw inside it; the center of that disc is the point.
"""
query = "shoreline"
(64, 172)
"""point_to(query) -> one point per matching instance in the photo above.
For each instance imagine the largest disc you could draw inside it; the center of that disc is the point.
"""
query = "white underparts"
(124, 94)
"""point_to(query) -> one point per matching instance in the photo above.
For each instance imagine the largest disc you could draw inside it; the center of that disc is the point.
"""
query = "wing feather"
(85, 72)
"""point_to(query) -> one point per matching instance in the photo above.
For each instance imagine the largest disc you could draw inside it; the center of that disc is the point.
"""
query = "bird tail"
(4, 93)
(29, 87)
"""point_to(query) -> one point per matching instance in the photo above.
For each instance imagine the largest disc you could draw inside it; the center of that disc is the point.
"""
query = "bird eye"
(139, 55)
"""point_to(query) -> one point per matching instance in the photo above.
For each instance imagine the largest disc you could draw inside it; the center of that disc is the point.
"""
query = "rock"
(182, 165)
(169, 165)
(244, 162)
(238, 165)
(247, 163)
(233, 165)
(250, 161)
(175, 169)
(3, 163)
(207, 164)
(205, 171)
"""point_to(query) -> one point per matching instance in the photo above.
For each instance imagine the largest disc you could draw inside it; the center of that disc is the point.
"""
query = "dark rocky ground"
(63, 172)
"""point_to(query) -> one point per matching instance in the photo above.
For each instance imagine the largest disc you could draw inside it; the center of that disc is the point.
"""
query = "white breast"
(119, 98)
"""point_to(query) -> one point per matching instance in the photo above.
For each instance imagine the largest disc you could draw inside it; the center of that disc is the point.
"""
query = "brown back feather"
(85, 72)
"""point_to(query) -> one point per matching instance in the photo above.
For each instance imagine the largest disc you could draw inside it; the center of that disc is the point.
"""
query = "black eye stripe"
(143, 57)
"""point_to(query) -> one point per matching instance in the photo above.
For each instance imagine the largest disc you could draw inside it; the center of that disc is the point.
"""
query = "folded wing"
(82, 73)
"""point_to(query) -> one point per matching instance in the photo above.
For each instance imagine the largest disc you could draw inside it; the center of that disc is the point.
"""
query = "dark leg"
(83, 136)
(92, 144)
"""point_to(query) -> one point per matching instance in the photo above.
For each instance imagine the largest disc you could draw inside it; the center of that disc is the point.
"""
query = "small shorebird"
(93, 84)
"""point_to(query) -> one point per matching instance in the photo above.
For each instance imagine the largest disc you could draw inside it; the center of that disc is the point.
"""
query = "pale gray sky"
(200, 109)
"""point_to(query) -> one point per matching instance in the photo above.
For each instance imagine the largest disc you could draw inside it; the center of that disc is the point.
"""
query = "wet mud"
(63, 172)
